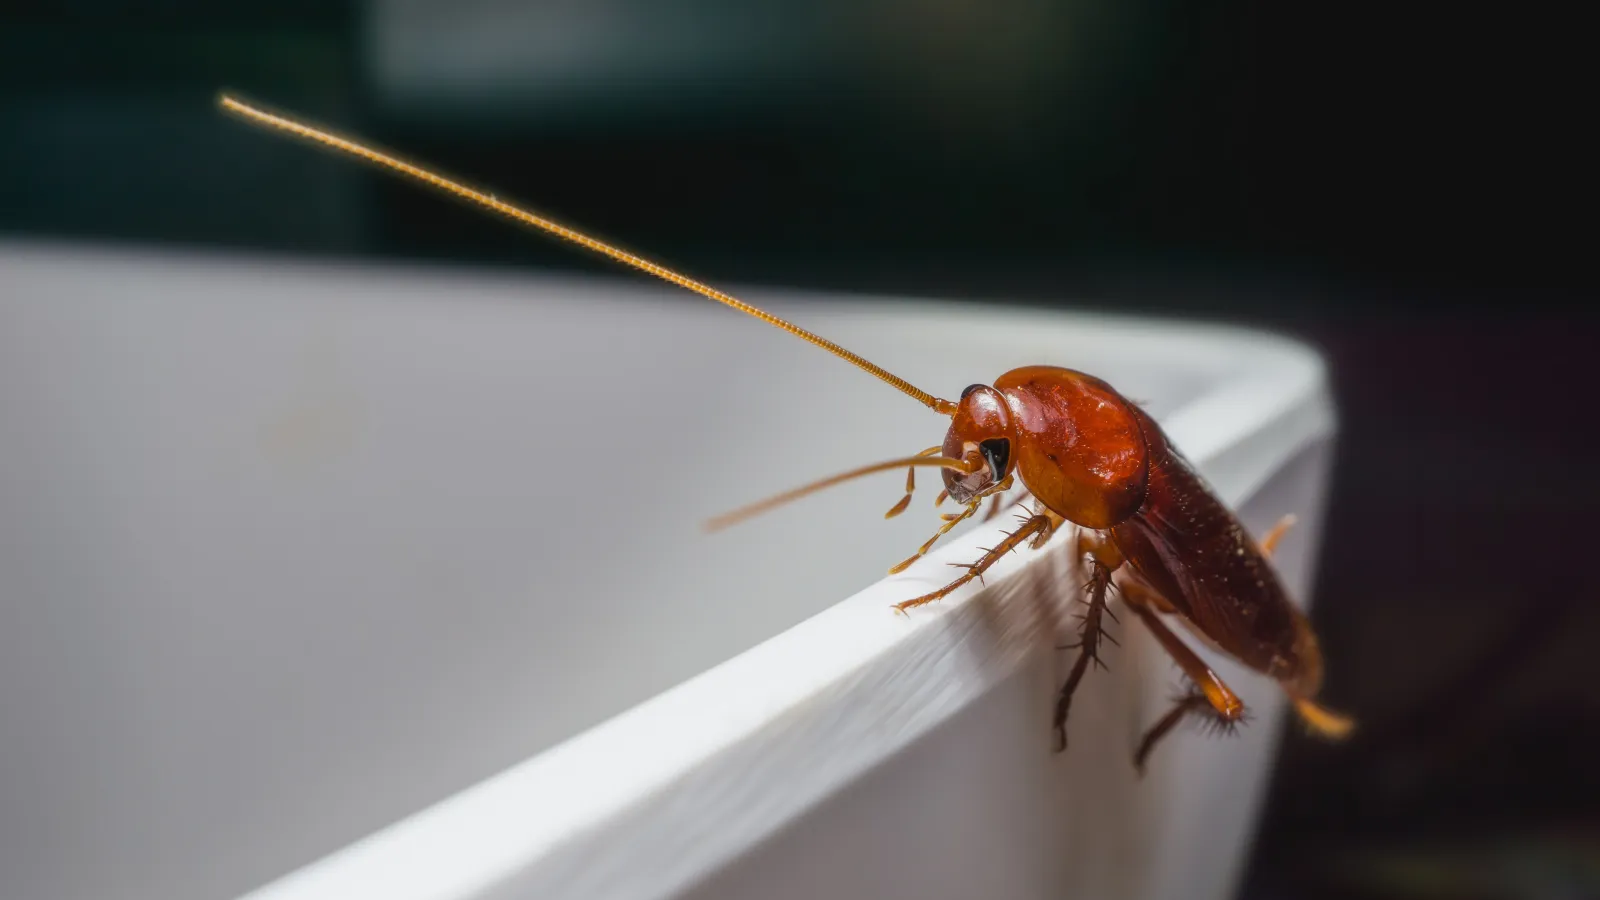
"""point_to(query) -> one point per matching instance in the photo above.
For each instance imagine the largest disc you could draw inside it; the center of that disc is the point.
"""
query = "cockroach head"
(981, 434)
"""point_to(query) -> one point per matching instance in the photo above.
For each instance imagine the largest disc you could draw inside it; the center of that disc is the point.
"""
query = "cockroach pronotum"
(1146, 523)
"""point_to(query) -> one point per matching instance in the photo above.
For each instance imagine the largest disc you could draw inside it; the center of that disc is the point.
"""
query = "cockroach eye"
(970, 388)
(997, 453)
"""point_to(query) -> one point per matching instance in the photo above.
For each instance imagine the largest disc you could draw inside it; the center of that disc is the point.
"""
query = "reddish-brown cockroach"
(1147, 524)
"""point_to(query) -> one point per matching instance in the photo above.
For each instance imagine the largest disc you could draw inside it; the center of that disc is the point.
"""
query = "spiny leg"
(1104, 559)
(1269, 542)
(1088, 645)
(1141, 597)
(1210, 695)
(1030, 527)
(1193, 703)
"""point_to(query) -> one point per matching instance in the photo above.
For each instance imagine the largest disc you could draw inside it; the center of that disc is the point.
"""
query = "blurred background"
(1407, 188)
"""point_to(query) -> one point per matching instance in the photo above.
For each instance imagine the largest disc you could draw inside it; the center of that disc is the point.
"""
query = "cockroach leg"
(1088, 645)
(1190, 704)
(1056, 521)
(950, 522)
(1270, 541)
(1034, 525)
(905, 501)
(1099, 546)
(1104, 559)
(1210, 695)
(1211, 686)
(911, 486)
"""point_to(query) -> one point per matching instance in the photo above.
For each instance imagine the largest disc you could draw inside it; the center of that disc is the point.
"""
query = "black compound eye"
(997, 452)
(970, 388)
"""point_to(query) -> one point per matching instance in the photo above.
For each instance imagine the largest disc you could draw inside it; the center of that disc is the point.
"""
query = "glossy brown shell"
(1080, 448)
(1104, 464)
(1192, 549)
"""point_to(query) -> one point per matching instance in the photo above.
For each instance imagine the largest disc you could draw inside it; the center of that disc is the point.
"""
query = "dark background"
(1407, 187)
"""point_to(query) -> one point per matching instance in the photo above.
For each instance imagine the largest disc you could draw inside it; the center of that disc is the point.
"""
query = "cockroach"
(1146, 523)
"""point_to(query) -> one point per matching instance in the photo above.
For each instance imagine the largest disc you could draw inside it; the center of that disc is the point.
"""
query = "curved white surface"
(306, 550)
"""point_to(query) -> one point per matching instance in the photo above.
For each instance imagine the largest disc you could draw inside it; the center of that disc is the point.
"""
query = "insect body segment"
(1151, 529)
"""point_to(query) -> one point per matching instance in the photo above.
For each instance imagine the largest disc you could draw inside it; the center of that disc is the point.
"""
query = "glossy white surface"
(294, 552)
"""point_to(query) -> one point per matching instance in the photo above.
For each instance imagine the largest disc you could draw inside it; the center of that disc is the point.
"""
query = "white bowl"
(331, 581)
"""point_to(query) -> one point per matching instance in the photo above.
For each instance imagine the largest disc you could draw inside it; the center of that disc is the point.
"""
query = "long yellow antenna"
(401, 167)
